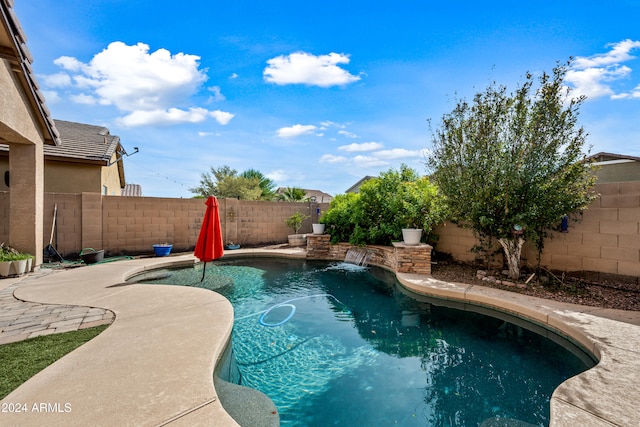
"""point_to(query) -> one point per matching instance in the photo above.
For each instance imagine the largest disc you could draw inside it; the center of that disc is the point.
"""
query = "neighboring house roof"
(318, 196)
(13, 48)
(132, 190)
(355, 188)
(83, 143)
(611, 167)
(612, 157)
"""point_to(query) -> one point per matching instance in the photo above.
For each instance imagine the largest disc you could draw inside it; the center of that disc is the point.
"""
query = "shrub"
(295, 221)
(395, 200)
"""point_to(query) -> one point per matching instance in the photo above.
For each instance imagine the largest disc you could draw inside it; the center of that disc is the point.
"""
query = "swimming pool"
(337, 344)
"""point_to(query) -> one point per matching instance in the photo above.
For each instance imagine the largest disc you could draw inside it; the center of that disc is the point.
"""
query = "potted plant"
(13, 262)
(295, 222)
(412, 219)
(318, 228)
(6, 257)
(162, 249)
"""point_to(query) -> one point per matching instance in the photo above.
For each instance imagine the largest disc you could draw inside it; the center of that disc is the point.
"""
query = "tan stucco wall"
(17, 123)
(22, 132)
(111, 178)
(62, 177)
(618, 172)
(4, 167)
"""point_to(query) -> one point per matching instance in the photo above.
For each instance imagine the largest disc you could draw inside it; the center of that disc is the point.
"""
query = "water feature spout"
(358, 256)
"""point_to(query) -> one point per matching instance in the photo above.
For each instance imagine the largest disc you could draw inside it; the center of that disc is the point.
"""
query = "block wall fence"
(605, 242)
(131, 225)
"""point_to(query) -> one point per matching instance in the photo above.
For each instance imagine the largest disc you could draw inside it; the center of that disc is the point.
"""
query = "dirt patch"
(609, 294)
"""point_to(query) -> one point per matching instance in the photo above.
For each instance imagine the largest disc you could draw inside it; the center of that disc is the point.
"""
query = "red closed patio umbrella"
(209, 245)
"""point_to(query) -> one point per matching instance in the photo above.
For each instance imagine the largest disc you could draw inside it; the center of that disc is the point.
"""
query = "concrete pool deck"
(154, 364)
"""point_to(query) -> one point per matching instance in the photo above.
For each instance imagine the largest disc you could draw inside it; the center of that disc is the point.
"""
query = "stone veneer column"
(318, 246)
(26, 199)
(413, 259)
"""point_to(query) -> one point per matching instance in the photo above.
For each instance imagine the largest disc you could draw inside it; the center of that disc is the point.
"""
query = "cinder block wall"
(131, 225)
(605, 242)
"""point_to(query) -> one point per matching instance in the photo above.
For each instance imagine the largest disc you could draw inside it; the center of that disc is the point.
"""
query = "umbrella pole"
(204, 269)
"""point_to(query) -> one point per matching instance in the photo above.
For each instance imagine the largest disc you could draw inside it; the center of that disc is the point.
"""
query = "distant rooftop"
(132, 190)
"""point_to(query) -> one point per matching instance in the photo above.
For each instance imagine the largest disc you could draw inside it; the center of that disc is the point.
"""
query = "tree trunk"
(512, 250)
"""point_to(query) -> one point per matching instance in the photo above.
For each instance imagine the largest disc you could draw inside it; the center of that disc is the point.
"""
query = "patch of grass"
(22, 360)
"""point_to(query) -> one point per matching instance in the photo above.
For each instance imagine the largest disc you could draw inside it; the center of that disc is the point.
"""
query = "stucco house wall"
(25, 127)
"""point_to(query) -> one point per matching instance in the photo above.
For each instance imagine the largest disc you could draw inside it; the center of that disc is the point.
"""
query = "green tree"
(512, 165)
(292, 194)
(225, 182)
(266, 185)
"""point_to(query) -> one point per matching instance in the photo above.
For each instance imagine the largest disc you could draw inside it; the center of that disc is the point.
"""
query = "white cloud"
(85, 99)
(347, 134)
(147, 86)
(398, 153)
(277, 175)
(295, 130)
(221, 117)
(56, 80)
(368, 161)
(234, 76)
(365, 146)
(305, 68)
(51, 96)
(328, 123)
(217, 94)
(69, 63)
(330, 158)
(165, 117)
(593, 76)
(203, 134)
(619, 53)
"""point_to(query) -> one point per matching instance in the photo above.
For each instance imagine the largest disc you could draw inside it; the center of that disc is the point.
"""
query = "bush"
(395, 200)
(295, 221)
(9, 254)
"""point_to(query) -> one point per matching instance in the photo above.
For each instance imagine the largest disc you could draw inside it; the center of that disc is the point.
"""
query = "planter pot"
(29, 265)
(318, 228)
(18, 267)
(297, 239)
(91, 256)
(411, 236)
(162, 250)
(5, 267)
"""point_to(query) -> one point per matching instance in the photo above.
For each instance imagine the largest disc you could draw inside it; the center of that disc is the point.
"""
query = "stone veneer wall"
(399, 257)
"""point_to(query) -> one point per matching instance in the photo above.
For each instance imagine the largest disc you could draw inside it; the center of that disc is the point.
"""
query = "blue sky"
(316, 94)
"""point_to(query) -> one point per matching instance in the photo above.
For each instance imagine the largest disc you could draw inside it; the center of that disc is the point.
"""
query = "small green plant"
(9, 254)
(295, 221)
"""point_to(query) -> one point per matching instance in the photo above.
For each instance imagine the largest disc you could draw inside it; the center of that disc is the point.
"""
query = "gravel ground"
(609, 294)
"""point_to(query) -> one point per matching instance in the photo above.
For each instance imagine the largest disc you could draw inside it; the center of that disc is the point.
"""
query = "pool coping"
(134, 372)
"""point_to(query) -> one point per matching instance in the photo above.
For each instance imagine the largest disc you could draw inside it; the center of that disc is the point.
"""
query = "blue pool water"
(337, 344)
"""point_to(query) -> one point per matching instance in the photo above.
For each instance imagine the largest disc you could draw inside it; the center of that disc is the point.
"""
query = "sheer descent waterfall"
(358, 256)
